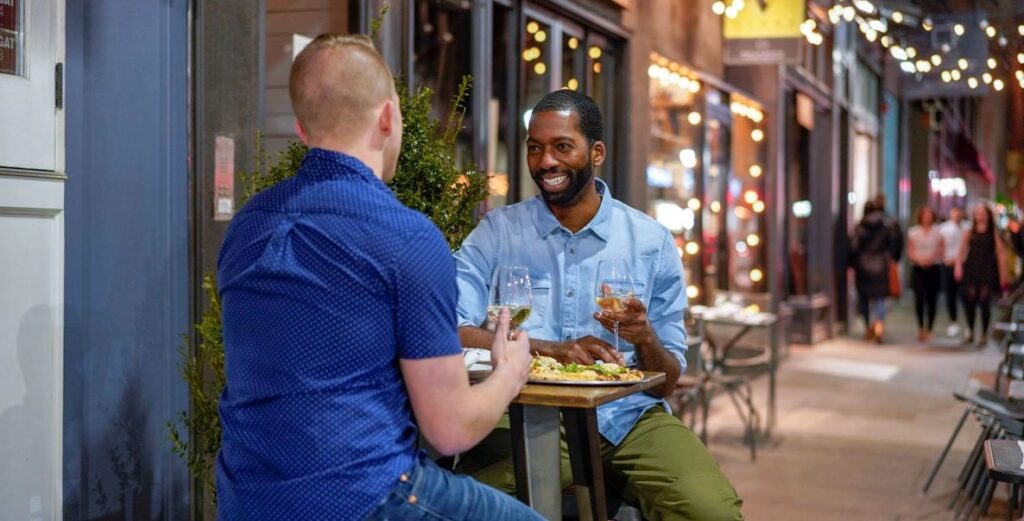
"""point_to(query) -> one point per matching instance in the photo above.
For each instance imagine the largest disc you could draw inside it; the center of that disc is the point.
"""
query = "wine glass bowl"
(614, 286)
(510, 288)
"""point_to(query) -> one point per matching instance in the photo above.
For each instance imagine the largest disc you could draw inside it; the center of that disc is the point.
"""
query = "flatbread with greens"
(545, 368)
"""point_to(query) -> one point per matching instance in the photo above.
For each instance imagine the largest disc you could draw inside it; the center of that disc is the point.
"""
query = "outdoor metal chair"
(1012, 344)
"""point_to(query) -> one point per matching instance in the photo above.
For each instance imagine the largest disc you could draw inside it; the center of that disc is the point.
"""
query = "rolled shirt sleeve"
(474, 264)
(668, 302)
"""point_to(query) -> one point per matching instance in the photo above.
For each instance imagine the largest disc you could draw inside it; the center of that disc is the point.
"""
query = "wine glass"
(614, 285)
(510, 289)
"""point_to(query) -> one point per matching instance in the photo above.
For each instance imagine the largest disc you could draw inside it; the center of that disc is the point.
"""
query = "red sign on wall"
(9, 15)
(8, 52)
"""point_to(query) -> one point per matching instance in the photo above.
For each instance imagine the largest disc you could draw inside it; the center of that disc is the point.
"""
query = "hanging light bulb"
(955, 73)
(757, 135)
(987, 78)
(718, 8)
(849, 13)
(694, 118)
(911, 52)
(990, 31)
(958, 29)
(991, 63)
(927, 24)
(1020, 57)
(972, 82)
(963, 63)
(946, 77)
(936, 60)
(897, 17)
(997, 84)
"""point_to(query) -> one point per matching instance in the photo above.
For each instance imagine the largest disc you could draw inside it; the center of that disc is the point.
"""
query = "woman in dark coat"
(979, 269)
(871, 251)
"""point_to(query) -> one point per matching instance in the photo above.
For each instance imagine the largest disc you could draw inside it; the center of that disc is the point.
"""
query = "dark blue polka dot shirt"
(326, 280)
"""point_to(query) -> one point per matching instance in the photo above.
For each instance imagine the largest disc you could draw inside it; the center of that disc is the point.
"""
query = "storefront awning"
(969, 159)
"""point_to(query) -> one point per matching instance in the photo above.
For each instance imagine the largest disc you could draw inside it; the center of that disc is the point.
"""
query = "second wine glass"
(613, 287)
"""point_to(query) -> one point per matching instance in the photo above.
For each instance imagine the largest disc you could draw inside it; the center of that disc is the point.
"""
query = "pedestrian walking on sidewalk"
(925, 249)
(871, 249)
(979, 269)
(952, 231)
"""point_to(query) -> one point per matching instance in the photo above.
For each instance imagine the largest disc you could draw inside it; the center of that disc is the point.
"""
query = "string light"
(963, 63)
(997, 84)
(718, 8)
(692, 248)
(990, 31)
(756, 275)
(991, 63)
(897, 17)
(595, 52)
(955, 74)
(540, 68)
(694, 118)
(540, 36)
(958, 29)
(927, 24)
(987, 78)
(753, 239)
(573, 43)
(750, 197)
(1020, 57)
(755, 171)
(532, 27)
(946, 77)
(936, 60)
(692, 291)
(757, 135)
(972, 82)
(758, 206)
(911, 52)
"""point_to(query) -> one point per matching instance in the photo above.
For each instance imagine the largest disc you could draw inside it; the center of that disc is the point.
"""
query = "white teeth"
(555, 180)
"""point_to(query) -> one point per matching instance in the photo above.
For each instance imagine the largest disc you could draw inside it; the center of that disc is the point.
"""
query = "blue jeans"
(429, 493)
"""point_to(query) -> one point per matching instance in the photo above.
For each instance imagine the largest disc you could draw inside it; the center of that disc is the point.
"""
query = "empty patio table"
(743, 323)
(534, 418)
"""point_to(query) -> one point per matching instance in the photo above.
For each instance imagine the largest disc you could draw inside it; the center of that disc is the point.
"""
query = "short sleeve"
(474, 263)
(668, 302)
(425, 295)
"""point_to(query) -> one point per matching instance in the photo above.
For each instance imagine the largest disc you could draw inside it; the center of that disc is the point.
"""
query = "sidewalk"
(859, 427)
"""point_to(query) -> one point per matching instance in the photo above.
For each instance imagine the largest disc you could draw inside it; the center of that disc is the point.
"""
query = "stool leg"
(945, 450)
(587, 464)
(1011, 503)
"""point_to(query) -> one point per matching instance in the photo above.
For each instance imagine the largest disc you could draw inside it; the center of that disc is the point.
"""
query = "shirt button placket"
(571, 283)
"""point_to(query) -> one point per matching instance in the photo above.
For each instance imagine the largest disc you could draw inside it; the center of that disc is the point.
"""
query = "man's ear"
(386, 121)
(597, 153)
(300, 132)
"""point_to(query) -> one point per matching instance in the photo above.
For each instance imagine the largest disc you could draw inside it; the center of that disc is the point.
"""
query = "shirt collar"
(320, 163)
(547, 223)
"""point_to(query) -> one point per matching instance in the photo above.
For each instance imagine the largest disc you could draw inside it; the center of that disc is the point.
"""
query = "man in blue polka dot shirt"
(339, 325)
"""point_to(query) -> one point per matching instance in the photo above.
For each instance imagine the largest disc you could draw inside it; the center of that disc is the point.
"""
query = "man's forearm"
(651, 355)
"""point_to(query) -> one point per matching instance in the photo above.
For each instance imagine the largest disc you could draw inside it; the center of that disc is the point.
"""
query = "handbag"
(895, 289)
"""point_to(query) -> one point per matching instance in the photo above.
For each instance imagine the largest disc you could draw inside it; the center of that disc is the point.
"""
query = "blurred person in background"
(871, 249)
(952, 231)
(925, 249)
(979, 269)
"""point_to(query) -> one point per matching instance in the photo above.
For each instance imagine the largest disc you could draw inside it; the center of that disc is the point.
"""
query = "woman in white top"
(925, 249)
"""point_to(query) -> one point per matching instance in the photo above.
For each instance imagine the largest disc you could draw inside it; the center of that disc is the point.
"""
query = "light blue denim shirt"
(563, 271)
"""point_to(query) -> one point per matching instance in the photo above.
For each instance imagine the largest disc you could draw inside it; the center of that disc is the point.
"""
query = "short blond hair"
(335, 84)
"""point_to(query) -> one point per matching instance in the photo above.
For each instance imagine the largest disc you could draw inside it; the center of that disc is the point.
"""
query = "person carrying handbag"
(871, 257)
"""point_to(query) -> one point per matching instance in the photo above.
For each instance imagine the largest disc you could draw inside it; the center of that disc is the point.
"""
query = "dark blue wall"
(127, 258)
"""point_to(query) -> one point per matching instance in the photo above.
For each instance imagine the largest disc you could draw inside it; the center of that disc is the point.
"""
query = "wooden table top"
(584, 396)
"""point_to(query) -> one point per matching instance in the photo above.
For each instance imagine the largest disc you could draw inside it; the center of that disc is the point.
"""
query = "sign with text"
(8, 52)
(223, 178)
(765, 32)
(9, 15)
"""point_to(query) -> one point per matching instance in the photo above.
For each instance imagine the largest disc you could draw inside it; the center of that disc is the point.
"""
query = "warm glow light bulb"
(694, 118)
(753, 239)
(991, 63)
(987, 78)
(963, 63)
(756, 275)
(936, 60)
(715, 206)
(958, 29)
(595, 52)
(758, 206)
(757, 135)
(692, 292)
(750, 197)
(532, 27)
(997, 84)
(897, 17)
(692, 248)
(755, 171)
(693, 204)
(972, 82)
(718, 8)
(540, 68)
(955, 73)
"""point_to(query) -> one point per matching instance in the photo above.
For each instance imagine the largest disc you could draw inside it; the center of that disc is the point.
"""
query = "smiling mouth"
(555, 182)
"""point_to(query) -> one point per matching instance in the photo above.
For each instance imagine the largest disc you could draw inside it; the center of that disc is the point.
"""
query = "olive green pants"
(660, 466)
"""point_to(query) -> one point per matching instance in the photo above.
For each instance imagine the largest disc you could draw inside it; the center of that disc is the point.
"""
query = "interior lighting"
(972, 82)
(595, 52)
(757, 135)
(936, 60)
(693, 204)
(963, 63)
(997, 84)
(688, 157)
(927, 24)
(718, 8)
(692, 248)
(694, 86)
(897, 17)
(597, 68)
(753, 239)
(958, 29)
(955, 73)
(750, 197)
(540, 36)
(692, 291)
(573, 84)
(755, 171)
(715, 206)
(573, 43)
(992, 63)
(694, 118)
(756, 275)
(532, 27)
(758, 206)
(731, 12)
(540, 68)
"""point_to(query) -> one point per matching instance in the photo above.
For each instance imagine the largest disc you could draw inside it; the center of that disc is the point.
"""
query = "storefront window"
(502, 119)
(674, 163)
(442, 32)
(745, 195)
(717, 144)
(601, 69)
(12, 38)
(798, 198)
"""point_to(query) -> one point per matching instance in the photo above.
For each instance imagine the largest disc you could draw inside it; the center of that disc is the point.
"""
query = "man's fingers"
(580, 355)
(503, 323)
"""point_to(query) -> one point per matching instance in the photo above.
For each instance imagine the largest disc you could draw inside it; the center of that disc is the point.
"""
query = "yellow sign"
(767, 19)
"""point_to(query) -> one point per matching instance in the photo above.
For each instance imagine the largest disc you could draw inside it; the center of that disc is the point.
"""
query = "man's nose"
(548, 161)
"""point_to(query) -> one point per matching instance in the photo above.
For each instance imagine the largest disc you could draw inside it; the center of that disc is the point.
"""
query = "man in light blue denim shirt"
(560, 236)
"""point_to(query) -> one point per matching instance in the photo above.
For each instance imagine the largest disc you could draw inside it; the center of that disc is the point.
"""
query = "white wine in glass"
(613, 287)
(511, 289)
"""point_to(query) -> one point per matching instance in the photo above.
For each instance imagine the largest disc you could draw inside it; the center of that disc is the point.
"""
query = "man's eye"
(533, 148)
(564, 147)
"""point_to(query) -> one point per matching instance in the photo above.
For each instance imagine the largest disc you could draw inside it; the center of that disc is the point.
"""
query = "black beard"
(578, 180)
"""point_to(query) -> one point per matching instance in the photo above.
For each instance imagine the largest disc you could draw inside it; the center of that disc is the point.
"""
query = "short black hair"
(590, 124)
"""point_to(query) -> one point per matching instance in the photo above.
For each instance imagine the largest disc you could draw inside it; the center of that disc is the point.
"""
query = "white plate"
(576, 382)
